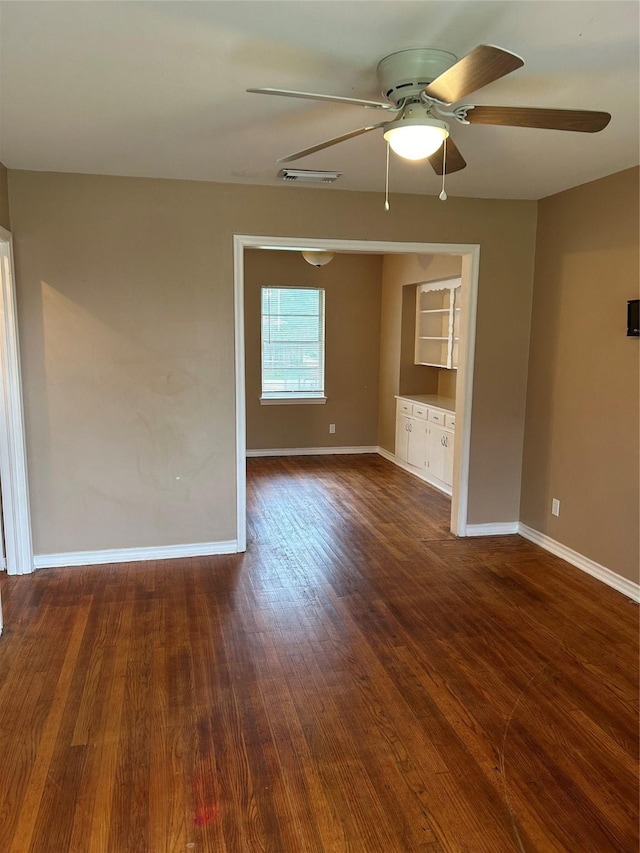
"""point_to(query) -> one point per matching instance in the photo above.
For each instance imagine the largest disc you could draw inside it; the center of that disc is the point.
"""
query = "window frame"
(284, 398)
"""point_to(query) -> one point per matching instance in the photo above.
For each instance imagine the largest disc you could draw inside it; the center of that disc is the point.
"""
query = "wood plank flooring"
(360, 680)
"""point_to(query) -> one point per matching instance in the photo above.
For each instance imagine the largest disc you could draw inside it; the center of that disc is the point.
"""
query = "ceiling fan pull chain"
(443, 195)
(386, 185)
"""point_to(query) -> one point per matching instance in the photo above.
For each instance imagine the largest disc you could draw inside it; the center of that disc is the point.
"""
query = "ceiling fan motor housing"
(404, 74)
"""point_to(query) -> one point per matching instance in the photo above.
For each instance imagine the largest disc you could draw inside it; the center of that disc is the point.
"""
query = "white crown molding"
(623, 585)
(132, 555)
(312, 451)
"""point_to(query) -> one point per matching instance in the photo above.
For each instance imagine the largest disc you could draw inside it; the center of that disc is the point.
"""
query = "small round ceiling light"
(317, 257)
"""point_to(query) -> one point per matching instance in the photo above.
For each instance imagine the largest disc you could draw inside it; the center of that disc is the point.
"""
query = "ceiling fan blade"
(330, 142)
(455, 160)
(584, 121)
(312, 96)
(483, 65)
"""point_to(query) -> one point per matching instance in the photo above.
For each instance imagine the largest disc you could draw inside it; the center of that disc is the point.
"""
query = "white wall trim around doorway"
(470, 253)
(13, 461)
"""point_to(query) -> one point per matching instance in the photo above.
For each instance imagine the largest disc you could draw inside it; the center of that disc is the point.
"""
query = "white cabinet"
(425, 441)
(438, 323)
(411, 440)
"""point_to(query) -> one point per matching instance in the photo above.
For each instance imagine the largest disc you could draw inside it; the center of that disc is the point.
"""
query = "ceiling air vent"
(309, 177)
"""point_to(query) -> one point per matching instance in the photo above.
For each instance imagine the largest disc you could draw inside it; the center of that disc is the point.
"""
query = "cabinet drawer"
(420, 411)
(404, 407)
(436, 416)
(450, 421)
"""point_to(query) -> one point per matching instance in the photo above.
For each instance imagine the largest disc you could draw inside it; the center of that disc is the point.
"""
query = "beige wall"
(125, 300)
(399, 373)
(5, 221)
(581, 438)
(352, 286)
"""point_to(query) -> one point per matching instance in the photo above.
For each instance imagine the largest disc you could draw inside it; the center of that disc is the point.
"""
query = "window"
(292, 345)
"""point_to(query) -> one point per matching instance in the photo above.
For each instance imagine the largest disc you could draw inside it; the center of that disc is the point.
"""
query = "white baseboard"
(623, 585)
(508, 528)
(387, 455)
(311, 451)
(496, 528)
(391, 457)
(131, 555)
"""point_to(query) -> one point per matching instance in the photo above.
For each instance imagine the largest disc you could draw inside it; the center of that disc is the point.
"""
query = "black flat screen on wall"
(633, 318)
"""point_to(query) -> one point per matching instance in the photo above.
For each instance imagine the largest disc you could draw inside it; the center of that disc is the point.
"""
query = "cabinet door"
(417, 448)
(440, 453)
(447, 459)
(402, 437)
(435, 451)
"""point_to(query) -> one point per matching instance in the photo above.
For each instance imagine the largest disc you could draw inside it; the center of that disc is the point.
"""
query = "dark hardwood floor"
(360, 680)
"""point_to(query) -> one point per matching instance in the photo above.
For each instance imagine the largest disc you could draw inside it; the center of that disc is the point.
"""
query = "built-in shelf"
(438, 323)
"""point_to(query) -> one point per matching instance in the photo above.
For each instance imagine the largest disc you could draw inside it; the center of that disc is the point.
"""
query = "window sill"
(298, 400)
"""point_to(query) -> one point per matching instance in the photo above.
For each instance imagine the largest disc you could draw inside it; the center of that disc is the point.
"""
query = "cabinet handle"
(410, 427)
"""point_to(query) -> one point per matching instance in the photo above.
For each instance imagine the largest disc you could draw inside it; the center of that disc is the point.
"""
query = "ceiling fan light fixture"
(416, 138)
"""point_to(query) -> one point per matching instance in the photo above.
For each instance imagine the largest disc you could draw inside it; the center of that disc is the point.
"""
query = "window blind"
(292, 341)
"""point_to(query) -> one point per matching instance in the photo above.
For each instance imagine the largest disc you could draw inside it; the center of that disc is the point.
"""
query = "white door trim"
(239, 244)
(470, 266)
(13, 461)
(464, 389)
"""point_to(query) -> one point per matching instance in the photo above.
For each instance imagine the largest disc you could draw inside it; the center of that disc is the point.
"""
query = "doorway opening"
(470, 257)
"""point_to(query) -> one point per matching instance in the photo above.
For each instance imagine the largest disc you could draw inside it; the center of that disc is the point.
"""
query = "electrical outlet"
(555, 506)
(332, 428)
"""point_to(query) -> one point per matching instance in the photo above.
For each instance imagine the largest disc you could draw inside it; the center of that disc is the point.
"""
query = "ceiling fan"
(423, 87)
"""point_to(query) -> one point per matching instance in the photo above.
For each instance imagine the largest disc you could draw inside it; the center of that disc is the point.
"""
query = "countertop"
(446, 403)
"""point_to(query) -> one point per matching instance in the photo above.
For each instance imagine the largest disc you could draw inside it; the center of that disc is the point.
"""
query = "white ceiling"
(157, 89)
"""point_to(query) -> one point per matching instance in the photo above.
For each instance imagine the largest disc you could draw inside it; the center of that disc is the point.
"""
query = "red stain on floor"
(206, 808)
(206, 814)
